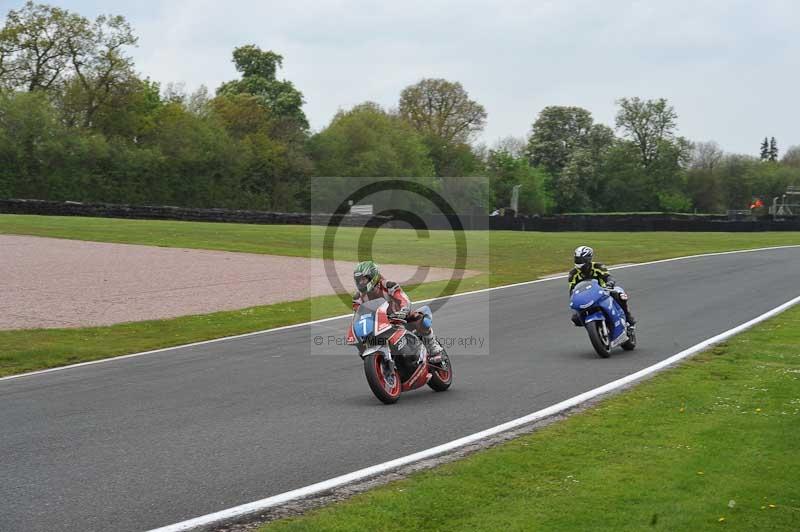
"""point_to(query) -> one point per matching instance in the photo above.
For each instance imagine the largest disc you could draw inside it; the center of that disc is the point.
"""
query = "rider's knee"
(427, 317)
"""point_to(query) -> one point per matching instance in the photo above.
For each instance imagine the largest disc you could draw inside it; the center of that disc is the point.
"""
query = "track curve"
(144, 442)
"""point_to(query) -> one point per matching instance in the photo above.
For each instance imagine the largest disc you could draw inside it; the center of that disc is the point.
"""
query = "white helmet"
(583, 257)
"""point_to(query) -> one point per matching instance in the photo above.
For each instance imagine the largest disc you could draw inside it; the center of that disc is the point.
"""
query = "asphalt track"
(143, 442)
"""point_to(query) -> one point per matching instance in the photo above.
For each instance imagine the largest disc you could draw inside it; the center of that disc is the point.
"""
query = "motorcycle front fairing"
(615, 318)
(585, 297)
(597, 315)
(594, 303)
(369, 325)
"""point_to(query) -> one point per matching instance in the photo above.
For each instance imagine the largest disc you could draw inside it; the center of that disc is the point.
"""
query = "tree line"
(77, 122)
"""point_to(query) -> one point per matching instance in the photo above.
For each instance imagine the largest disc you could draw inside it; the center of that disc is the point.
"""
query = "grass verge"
(508, 256)
(34, 349)
(504, 257)
(708, 445)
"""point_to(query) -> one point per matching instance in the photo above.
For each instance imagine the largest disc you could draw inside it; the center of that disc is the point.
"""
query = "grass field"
(709, 445)
(504, 257)
(507, 256)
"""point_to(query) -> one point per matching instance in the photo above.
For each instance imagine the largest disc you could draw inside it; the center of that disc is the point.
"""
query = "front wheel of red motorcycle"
(383, 381)
(441, 374)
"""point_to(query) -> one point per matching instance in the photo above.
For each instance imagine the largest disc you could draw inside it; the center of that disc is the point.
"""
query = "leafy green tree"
(443, 113)
(45, 48)
(744, 178)
(506, 170)
(626, 184)
(241, 114)
(648, 124)
(34, 46)
(580, 183)
(366, 141)
(41, 158)
(567, 143)
(674, 158)
(556, 133)
(127, 111)
(274, 171)
(453, 160)
(31, 130)
(674, 201)
(443, 110)
(198, 160)
(767, 181)
(99, 63)
(277, 158)
(575, 188)
(704, 185)
(735, 177)
(259, 69)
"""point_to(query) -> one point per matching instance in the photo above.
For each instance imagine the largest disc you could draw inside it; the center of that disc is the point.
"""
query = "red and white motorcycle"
(395, 359)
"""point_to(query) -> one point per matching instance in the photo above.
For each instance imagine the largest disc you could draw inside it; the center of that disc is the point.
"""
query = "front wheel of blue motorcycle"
(598, 335)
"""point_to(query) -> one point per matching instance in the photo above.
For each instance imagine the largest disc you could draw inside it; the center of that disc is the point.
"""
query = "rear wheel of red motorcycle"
(441, 374)
(385, 387)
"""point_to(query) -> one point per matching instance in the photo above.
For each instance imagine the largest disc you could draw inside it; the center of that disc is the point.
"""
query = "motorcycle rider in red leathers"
(371, 285)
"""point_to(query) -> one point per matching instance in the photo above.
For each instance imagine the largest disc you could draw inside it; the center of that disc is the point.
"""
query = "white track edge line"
(264, 504)
(303, 324)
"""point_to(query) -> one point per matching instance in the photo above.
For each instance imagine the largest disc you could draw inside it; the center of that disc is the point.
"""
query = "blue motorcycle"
(602, 317)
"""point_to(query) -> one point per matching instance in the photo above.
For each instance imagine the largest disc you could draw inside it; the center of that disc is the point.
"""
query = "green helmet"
(366, 276)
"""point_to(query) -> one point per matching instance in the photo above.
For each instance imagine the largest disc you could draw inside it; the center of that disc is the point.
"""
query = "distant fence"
(568, 222)
(162, 212)
(644, 222)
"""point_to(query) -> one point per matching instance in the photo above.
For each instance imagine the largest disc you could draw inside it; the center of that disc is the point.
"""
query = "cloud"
(729, 68)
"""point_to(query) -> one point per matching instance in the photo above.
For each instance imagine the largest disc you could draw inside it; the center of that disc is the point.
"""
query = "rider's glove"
(401, 314)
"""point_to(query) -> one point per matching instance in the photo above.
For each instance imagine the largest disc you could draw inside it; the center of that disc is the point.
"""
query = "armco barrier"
(569, 222)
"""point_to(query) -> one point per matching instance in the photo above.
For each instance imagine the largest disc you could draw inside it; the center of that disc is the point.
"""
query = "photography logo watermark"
(365, 239)
(448, 342)
(415, 230)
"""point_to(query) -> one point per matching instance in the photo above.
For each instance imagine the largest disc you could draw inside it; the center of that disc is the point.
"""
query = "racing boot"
(628, 314)
(433, 346)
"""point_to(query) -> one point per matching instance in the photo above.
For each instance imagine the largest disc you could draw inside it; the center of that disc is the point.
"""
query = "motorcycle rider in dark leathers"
(586, 269)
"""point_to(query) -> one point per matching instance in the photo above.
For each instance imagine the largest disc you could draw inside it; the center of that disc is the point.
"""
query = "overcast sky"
(730, 68)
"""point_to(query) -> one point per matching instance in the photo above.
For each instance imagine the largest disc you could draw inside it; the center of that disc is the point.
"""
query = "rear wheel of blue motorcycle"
(599, 338)
(441, 374)
(385, 387)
